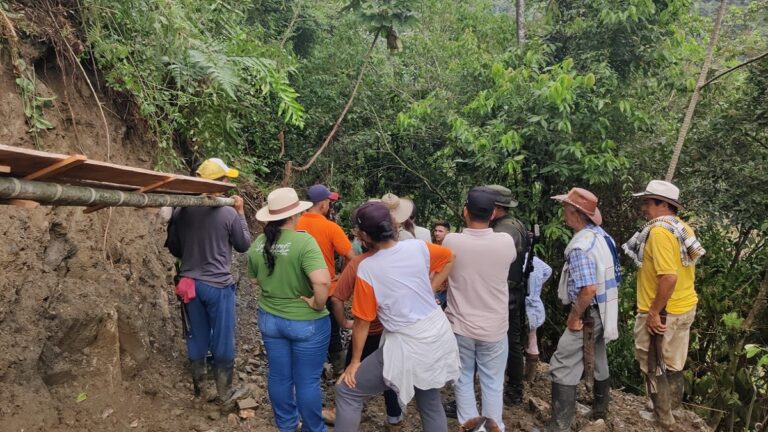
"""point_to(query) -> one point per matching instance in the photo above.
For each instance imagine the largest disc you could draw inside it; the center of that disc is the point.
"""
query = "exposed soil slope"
(89, 327)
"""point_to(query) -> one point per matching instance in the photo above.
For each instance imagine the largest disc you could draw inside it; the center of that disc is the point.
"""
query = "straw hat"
(663, 190)
(401, 208)
(282, 203)
(585, 201)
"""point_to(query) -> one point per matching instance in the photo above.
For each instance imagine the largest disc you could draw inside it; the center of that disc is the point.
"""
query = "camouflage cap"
(504, 198)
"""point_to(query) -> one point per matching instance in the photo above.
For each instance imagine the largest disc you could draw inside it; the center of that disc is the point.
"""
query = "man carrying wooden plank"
(203, 238)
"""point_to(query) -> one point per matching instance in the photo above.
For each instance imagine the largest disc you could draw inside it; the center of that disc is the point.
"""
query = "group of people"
(408, 339)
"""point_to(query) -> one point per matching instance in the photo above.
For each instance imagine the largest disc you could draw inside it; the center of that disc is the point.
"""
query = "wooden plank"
(5, 169)
(57, 168)
(26, 161)
(144, 189)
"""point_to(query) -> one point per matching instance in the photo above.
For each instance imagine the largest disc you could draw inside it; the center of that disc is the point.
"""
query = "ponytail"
(272, 232)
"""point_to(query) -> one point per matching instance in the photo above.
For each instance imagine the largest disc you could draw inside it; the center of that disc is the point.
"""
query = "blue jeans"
(212, 324)
(296, 352)
(491, 360)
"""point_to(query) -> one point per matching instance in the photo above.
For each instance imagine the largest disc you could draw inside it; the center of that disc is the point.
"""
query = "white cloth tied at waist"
(422, 355)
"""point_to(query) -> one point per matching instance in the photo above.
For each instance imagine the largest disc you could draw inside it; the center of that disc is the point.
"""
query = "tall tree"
(520, 22)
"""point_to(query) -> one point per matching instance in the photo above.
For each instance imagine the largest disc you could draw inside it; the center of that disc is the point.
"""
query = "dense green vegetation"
(449, 99)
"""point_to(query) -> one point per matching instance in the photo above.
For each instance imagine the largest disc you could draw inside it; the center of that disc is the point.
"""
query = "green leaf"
(81, 397)
(751, 350)
(732, 321)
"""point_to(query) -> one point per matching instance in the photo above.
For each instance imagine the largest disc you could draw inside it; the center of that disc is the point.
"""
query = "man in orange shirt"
(331, 239)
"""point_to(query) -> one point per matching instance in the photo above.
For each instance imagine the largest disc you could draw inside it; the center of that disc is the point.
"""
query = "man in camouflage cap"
(502, 221)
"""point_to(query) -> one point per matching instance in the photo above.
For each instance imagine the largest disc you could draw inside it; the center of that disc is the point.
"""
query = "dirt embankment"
(89, 328)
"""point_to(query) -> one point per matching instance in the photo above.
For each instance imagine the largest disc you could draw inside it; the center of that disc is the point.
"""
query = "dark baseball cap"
(481, 201)
(371, 216)
(318, 192)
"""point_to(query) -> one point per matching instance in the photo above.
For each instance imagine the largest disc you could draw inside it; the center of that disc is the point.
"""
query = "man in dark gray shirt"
(202, 238)
(502, 221)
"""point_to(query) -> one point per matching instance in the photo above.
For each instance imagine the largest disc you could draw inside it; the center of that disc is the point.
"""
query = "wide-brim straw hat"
(584, 201)
(282, 203)
(661, 190)
(401, 208)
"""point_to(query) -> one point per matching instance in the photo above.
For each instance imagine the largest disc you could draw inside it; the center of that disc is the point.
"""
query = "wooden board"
(24, 162)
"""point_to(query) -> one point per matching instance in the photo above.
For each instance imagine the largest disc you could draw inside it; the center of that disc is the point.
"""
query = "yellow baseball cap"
(214, 168)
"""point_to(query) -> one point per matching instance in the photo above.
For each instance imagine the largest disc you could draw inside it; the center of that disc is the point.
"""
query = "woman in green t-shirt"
(293, 320)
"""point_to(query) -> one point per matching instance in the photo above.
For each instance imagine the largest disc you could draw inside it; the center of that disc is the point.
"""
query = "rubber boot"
(661, 403)
(601, 392)
(197, 370)
(531, 367)
(563, 408)
(224, 381)
(211, 376)
(676, 389)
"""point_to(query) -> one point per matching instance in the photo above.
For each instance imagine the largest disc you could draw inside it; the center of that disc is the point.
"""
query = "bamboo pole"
(67, 195)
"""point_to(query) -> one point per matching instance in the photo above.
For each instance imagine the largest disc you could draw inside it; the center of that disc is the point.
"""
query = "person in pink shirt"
(478, 311)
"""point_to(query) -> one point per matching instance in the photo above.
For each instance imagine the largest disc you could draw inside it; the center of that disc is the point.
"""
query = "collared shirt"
(478, 294)
(582, 269)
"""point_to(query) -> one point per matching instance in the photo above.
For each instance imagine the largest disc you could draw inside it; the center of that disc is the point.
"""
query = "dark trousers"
(390, 397)
(515, 338)
(335, 345)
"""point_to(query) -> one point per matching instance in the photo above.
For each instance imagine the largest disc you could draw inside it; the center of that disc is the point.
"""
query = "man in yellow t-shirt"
(665, 289)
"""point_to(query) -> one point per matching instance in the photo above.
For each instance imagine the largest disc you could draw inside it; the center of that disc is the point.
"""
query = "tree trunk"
(520, 22)
(289, 166)
(695, 96)
(67, 195)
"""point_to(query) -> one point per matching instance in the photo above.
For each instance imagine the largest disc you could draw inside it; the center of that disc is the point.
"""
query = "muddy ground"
(89, 328)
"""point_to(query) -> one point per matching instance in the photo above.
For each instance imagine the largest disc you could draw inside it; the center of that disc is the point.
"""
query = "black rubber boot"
(513, 391)
(224, 381)
(513, 395)
(197, 369)
(601, 392)
(450, 408)
(563, 408)
(676, 389)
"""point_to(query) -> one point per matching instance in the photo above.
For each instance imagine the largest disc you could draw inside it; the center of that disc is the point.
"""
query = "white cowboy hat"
(282, 203)
(662, 190)
(401, 208)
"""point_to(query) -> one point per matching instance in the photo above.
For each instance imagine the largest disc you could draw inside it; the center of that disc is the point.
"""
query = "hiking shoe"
(394, 427)
(450, 409)
(513, 399)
